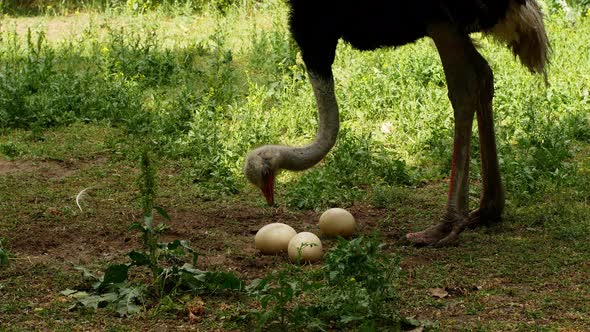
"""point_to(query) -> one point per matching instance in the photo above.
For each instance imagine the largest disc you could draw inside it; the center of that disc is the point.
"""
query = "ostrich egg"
(306, 247)
(337, 222)
(273, 238)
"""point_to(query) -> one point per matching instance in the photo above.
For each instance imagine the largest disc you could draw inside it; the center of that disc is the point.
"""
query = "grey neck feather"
(300, 158)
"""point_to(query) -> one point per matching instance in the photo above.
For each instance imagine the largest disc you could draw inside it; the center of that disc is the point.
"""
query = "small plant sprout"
(300, 249)
(3, 255)
(306, 247)
(274, 238)
(337, 222)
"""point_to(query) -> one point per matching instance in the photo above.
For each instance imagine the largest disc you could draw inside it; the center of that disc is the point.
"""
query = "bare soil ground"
(224, 232)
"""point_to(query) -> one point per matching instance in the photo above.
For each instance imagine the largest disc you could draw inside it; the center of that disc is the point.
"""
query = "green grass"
(202, 86)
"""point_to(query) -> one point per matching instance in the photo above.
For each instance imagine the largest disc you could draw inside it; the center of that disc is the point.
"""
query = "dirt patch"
(68, 244)
(223, 235)
(7, 167)
(56, 232)
(47, 169)
(54, 169)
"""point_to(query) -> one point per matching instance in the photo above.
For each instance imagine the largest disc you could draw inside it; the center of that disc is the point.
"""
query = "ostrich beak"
(268, 188)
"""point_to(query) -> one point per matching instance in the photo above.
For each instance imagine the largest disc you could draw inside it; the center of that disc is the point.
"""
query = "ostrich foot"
(430, 236)
(484, 217)
(443, 234)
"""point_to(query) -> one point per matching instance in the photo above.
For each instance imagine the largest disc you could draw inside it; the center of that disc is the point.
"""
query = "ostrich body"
(318, 25)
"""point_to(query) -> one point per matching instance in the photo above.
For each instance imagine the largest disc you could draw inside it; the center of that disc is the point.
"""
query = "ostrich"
(318, 25)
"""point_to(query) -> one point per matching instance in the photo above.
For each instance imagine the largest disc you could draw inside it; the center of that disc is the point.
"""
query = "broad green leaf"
(68, 292)
(115, 274)
(109, 297)
(90, 301)
(129, 297)
(79, 295)
(87, 274)
(127, 309)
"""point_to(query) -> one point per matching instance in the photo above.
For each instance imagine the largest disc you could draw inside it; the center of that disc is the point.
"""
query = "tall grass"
(211, 98)
(63, 7)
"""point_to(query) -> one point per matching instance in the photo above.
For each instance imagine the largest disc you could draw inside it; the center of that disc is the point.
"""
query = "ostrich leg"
(492, 194)
(469, 81)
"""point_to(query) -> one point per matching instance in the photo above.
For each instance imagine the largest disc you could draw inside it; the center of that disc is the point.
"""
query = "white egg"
(337, 222)
(306, 247)
(273, 238)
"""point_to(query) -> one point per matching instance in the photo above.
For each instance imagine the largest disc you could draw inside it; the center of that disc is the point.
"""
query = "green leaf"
(187, 246)
(162, 212)
(77, 294)
(347, 319)
(129, 297)
(68, 292)
(89, 301)
(194, 254)
(224, 280)
(126, 309)
(86, 274)
(265, 317)
(161, 228)
(333, 275)
(190, 269)
(136, 226)
(108, 298)
(139, 258)
(253, 287)
(172, 245)
(115, 274)
(3, 258)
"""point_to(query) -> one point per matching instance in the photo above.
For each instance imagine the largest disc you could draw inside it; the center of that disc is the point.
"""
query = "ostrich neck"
(300, 158)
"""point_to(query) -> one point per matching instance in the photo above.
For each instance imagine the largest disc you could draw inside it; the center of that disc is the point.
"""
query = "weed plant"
(170, 274)
(354, 289)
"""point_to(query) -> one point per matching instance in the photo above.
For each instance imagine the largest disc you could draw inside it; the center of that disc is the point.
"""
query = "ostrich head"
(260, 168)
(264, 162)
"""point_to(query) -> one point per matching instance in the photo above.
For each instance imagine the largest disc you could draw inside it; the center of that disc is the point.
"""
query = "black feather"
(318, 25)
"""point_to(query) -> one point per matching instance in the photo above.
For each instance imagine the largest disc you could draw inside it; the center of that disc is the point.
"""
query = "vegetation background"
(90, 84)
